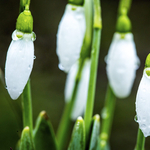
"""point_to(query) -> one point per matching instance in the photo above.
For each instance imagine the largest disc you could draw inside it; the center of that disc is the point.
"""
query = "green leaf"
(95, 132)
(26, 140)
(43, 134)
(78, 136)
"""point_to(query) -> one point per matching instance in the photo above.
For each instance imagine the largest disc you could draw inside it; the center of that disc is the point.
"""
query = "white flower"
(71, 31)
(82, 91)
(122, 63)
(19, 62)
(143, 104)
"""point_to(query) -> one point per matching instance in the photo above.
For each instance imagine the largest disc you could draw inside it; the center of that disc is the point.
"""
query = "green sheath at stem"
(65, 120)
(107, 116)
(124, 4)
(27, 107)
(140, 141)
(93, 70)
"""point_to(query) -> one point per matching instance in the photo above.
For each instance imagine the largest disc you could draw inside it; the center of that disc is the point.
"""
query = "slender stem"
(86, 48)
(65, 120)
(23, 3)
(27, 107)
(93, 70)
(107, 116)
(124, 4)
(140, 141)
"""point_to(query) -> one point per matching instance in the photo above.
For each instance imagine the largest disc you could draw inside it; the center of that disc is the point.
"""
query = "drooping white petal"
(19, 63)
(70, 35)
(122, 63)
(81, 96)
(143, 104)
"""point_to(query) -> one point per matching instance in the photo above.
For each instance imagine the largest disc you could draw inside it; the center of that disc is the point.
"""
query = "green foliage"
(78, 136)
(26, 140)
(43, 134)
(95, 133)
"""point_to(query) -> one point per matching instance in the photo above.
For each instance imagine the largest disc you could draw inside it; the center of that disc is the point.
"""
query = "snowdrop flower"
(143, 103)
(82, 91)
(70, 35)
(122, 63)
(20, 56)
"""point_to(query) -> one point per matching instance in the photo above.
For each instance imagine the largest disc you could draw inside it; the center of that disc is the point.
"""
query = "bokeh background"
(48, 81)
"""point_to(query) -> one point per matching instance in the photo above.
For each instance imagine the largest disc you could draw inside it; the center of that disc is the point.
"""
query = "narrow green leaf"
(78, 136)
(95, 132)
(26, 140)
(43, 134)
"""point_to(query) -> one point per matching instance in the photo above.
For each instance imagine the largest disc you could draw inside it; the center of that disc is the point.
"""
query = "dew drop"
(20, 92)
(34, 57)
(33, 36)
(143, 126)
(104, 113)
(135, 118)
(106, 59)
(61, 67)
(6, 87)
(29, 67)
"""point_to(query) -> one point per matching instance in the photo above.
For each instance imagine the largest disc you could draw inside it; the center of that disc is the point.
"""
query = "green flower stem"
(107, 116)
(140, 141)
(93, 71)
(65, 120)
(124, 4)
(27, 107)
(23, 3)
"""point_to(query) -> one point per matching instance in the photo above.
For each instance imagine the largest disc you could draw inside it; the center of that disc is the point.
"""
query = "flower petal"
(143, 104)
(19, 63)
(82, 91)
(122, 63)
(70, 36)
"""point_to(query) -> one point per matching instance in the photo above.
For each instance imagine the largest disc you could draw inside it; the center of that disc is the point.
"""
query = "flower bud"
(143, 103)
(122, 63)
(19, 62)
(70, 35)
(82, 91)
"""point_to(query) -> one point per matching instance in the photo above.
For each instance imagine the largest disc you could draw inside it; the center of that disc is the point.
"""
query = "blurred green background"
(48, 81)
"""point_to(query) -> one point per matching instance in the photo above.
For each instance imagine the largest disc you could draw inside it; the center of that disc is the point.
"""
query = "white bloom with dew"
(82, 91)
(143, 104)
(70, 35)
(19, 62)
(122, 63)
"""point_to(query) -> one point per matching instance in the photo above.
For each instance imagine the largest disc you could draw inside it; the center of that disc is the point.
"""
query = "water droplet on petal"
(135, 118)
(34, 57)
(143, 126)
(33, 36)
(106, 59)
(29, 67)
(6, 87)
(61, 67)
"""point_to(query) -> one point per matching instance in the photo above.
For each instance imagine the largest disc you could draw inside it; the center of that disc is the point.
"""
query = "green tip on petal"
(123, 24)
(76, 2)
(147, 62)
(25, 21)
